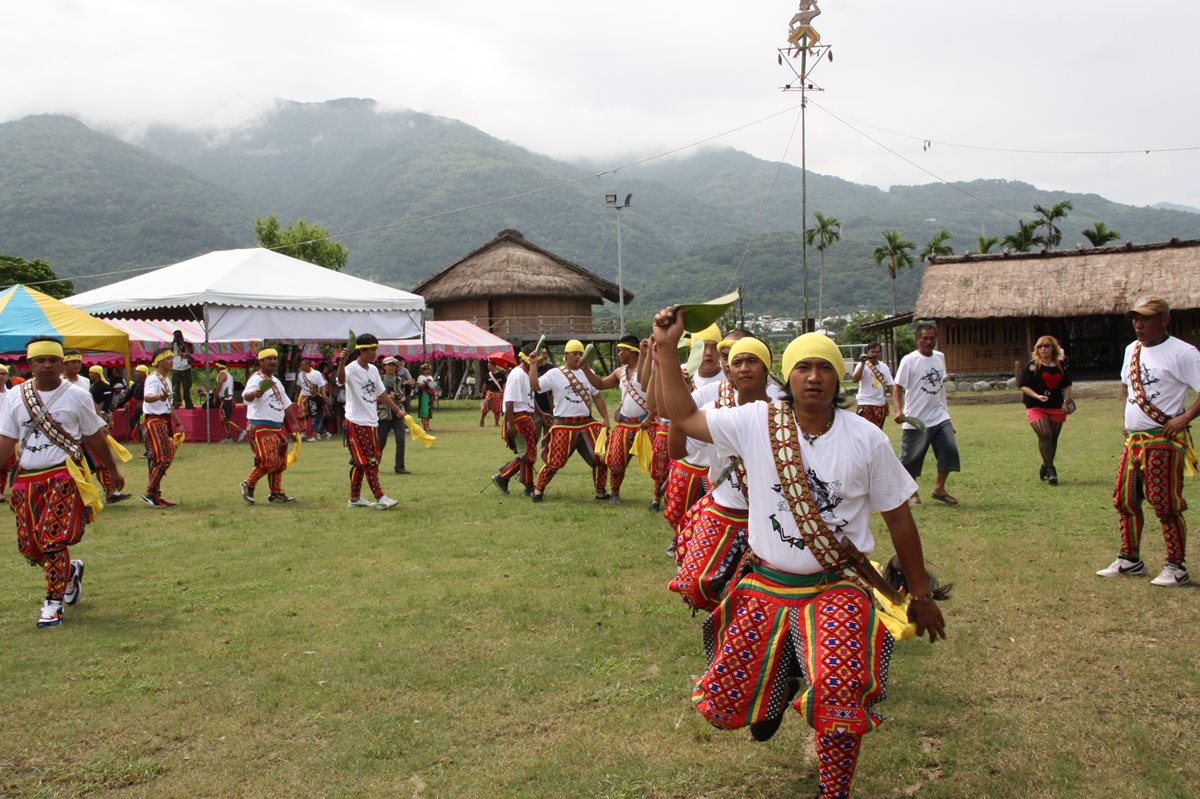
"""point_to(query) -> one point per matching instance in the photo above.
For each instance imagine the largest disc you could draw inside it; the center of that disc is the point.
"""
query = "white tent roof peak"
(249, 278)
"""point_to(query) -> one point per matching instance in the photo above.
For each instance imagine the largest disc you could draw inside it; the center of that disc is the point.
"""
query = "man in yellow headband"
(632, 414)
(815, 474)
(223, 392)
(51, 420)
(520, 429)
(574, 427)
(158, 413)
(364, 392)
(267, 406)
(72, 367)
(710, 365)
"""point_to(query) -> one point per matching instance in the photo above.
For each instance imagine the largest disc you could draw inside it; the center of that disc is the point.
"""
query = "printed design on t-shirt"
(1148, 380)
(794, 540)
(369, 393)
(273, 401)
(825, 496)
(930, 382)
(36, 441)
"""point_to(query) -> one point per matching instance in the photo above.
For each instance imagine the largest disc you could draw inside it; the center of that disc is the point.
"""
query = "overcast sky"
(610, 80)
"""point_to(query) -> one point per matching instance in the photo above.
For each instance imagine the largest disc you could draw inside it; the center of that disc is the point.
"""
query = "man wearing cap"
(314, 393)
(364, 392)
(493, 393)
(396, 385)
(50, 420)
(267, 406)
(803, 611)
(919, 394)
(632, 413)
(158, 413)
(574, 427)
(1157, 372)
(519, 431)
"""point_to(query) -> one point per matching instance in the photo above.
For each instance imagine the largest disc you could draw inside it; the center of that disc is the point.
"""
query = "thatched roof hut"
(991, 308)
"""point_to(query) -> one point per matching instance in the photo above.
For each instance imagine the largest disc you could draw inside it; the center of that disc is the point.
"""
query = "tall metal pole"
(804, 178)
(620, 282)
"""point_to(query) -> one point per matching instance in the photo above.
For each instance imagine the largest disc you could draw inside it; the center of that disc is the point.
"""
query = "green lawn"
(470, 644)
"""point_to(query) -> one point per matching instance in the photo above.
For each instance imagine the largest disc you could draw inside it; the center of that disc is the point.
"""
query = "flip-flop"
(914, 500)
(949, 500)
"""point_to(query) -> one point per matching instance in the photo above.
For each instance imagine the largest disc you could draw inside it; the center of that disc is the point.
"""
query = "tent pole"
(207, 377)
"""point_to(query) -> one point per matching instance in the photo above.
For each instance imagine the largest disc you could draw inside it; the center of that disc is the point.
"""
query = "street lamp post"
(611, 200)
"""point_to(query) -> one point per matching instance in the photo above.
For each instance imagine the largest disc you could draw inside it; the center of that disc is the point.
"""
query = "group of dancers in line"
(769, 486)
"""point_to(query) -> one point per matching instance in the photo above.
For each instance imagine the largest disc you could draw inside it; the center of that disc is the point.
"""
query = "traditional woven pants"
(685, 486)
(364, 459)
(523, 441)
(270, 456)
(50, 518)
(708, 548)
(875, 414)
(660, 467)
(231, 429)
(160, 451)
(492, 401)
(564, 437)
(775, 626)
(620, 439)
(1151, 469)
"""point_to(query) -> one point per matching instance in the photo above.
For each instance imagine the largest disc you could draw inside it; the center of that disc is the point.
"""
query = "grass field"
(470, 644)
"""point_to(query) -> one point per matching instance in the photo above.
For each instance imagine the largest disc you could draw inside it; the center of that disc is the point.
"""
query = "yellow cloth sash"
(643, 450)
(294, 454)
(178, 438)
(601, 446)
(1138, 440)
(418, 432)
(82, 476)
(893, 616)
(122, 454)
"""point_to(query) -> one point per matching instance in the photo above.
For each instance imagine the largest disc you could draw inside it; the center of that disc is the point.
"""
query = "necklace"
(812, 438)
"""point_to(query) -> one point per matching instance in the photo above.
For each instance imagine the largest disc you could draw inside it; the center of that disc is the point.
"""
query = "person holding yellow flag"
(267, 405)
(48, 420)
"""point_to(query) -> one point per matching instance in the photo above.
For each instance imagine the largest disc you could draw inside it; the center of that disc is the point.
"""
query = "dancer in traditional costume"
(136, 399)
(314, 394)
(519, 432)
(574, 427)
(493, 393)
(632, 413)
(1158, 370)
(267, 407)
(804, 608)
(158, 412)
(364, 392)
(47, 420)
(223, 390)
(426, 395)
(875, 381)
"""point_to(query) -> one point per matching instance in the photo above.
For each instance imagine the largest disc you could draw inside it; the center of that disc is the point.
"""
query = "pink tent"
(147, 335)
(456, 339)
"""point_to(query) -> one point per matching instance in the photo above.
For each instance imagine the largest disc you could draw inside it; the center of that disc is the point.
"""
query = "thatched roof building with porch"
(519, 291)
(990, 309)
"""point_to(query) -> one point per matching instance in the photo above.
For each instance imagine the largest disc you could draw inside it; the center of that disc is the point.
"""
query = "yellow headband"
(3, 368)
(724, 344)
(98, 370)
(629, 347)
(162, 356)
(268, 352)
(366, 346)
(813, 345)
(38, 349)
(574, 345)
(711, 333)
(524, 358)
(72, 358)
(143, 368)
(750, 346)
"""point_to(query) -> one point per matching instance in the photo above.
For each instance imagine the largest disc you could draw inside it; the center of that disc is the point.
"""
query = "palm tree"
(1025, 238)
(986, 243)
(1100, 234)
(1049, 216)
(828, 231)
(937, 246)
(895, 253)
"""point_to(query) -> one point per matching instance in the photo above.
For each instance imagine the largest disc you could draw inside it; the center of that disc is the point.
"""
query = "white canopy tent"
(261, 294)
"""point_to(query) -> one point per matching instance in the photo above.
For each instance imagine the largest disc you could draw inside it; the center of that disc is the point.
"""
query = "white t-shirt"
(157, 386)
(271, 405)
(70, 405)
(725, 485)
(922, 379)
(869, 390)
(311, 382)
(1168, 370)
(517, 391)
(630, 407)
(363, 388)
(851, 469)
(567, 401)
(699, 381)
(81, 381)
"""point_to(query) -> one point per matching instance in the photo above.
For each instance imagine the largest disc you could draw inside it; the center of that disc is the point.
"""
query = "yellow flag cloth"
(82, 476)
(294, 454)
(643, 450)
(893, 616)
(1189, 454)
(418, 432)
(601, 448)
(178, 438)
(123, 455)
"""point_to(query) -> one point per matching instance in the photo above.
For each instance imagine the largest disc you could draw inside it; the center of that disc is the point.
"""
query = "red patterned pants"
(564, 437)
(50, 518)
(363, 443)
(1151, 469)
(620, 439)
(660, 467)
(523, 441)
(492, 401)
(708, 548)
(685, 486)
(160, 451)
(875, 414)
(270, 457)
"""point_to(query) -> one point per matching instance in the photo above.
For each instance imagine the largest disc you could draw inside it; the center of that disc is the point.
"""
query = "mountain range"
(412, 193)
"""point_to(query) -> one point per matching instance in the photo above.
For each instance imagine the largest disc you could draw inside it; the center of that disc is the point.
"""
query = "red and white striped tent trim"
(148, 335)
(457, 339)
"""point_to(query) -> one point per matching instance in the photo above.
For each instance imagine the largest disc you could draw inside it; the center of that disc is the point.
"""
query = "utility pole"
(611, 201)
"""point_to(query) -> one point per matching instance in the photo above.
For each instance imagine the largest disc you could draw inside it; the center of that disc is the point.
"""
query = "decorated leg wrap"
(556, 448)
(269, 445)
(837, 756)
(1163, 487)
(620, 438)
(50, 518)
(160, 452)
(684, 488)
(525, 440)
(364, 458)
(708, 548)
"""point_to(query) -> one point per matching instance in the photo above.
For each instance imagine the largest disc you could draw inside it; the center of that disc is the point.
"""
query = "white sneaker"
(52, 614)
(74, 583)
(386, 503)
(361, 502)
(1171, 576)
(1122, 567)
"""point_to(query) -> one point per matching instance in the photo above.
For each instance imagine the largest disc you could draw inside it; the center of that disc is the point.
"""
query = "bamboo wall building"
(990, 309)
(519, 292)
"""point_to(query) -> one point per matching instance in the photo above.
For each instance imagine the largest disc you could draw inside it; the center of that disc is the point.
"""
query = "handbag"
(1070, 406)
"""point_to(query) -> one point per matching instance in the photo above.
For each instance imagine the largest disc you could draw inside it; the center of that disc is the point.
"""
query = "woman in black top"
(1046, 390)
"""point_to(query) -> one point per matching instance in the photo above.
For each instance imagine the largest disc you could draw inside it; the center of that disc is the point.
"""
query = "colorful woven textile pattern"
(709, 546)
(270, 457)
(50, 518)
(1151, 469)
(685, 486)
(875, 414)
(524, 443)
(160, 451)
(620, 440)
(363, 443)
(564, 437)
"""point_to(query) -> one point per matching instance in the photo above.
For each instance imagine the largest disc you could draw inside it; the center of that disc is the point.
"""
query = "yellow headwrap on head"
(3, 369)
(524, 358)
(37, 349)
(268, 352)
(813, 345)
(367, 346)
(98, 370)
(629, 347)
(750, 346)
(162, 356)
(574, 345)
(725, 344)
(711, 333)
(143, 368)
